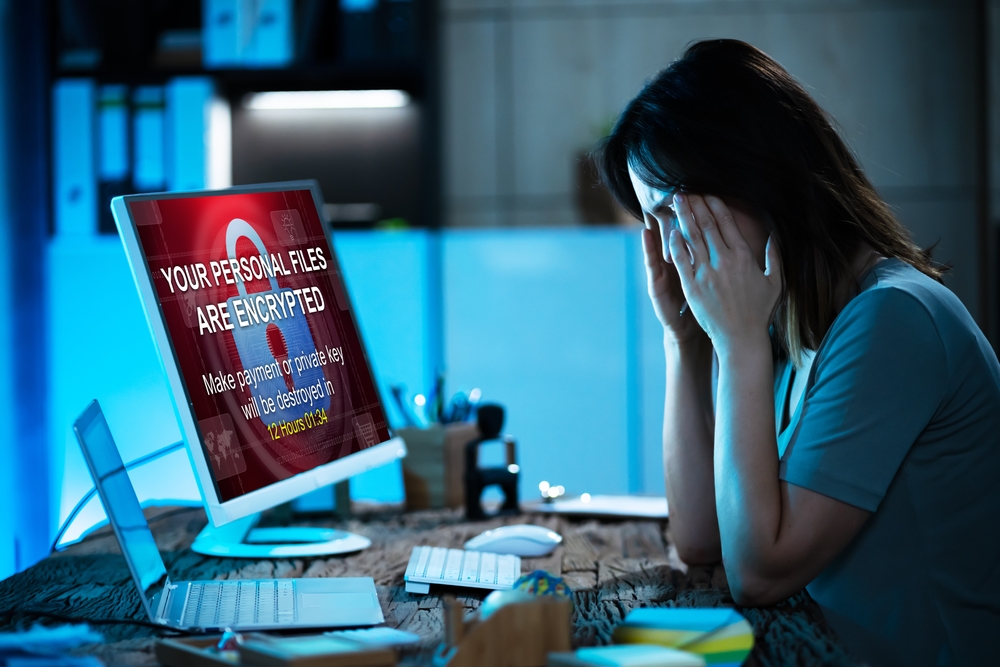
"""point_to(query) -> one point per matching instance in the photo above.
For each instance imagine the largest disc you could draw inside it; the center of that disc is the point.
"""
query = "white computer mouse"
(519, 540)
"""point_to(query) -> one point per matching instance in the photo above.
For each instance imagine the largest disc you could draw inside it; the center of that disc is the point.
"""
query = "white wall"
(529, 83)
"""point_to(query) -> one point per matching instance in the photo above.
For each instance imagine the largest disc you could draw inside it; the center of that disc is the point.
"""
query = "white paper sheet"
(645, 507)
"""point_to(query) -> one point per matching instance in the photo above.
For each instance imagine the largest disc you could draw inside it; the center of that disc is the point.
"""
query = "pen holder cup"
(434, 465)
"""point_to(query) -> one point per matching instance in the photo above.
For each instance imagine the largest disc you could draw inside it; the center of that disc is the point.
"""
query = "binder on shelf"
(185, 130)
(219, 145)
(112, 122)
(148, 172)
(401, 29)
(358, 5)
(247, 33)
(74, 172)
(113, 164)
(358, 28)
(219, 33)
(271, 36)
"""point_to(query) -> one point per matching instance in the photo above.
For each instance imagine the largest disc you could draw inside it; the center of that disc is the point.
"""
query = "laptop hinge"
(165, 595)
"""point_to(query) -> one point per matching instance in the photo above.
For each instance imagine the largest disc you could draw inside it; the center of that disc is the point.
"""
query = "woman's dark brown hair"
(726, 119)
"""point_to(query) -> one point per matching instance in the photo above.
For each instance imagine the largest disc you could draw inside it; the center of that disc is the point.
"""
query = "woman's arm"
(775, 537)
(688, 415)
(688, 432)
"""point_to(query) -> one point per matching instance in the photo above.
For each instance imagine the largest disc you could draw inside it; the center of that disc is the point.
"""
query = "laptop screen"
(263, 335)
(120, 503)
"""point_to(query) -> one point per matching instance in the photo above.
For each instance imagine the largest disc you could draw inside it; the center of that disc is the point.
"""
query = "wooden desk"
(612, 567)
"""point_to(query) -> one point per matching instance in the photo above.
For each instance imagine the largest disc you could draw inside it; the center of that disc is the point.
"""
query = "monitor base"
(239, 539)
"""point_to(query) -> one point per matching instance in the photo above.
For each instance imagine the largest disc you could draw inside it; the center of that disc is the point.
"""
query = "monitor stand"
(239, 539)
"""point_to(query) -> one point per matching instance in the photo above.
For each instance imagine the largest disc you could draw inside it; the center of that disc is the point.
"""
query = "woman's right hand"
(664, 287)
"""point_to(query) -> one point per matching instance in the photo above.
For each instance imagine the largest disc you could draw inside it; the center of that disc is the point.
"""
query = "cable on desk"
(135, 463)
(38, 613)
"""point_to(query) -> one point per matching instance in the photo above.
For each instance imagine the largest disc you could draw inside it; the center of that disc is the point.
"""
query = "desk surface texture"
(612, 567)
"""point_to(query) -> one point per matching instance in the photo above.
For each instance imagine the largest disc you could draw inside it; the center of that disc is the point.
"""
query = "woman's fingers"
(723, 216)
(659, 240)
(651, 254)
(662, 232)
(648, 220)
(705, 216)
(647, 245)
(690, 229)
(682, 259)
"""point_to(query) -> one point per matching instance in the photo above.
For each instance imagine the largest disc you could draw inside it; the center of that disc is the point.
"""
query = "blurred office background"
(471, 234)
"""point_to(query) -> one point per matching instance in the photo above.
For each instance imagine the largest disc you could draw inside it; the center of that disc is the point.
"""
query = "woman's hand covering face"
(662, 281)
(727, 292)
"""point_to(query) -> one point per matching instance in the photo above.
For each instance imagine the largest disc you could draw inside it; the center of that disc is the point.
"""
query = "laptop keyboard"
(220, 604)
(455, 567)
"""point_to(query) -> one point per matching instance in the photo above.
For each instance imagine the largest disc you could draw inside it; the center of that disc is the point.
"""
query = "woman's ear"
(772, 262)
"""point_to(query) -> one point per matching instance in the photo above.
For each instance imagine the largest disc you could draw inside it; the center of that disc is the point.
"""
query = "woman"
(851, 444)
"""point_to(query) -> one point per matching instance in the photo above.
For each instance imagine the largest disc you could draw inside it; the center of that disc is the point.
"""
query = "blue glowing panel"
(387, 278)
(74, 173)
(651, 367)
(103, 349)
(538, 320)
(554, 324)
(320, 500)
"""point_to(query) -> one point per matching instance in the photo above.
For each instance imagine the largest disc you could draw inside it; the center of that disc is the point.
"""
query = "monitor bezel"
(222, 512)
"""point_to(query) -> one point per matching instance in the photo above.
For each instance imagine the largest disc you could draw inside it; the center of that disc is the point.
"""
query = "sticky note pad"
(720, 635)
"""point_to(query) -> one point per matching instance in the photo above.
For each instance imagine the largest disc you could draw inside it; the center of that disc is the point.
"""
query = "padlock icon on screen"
(277, 341)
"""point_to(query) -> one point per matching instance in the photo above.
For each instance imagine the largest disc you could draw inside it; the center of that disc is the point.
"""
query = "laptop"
(248, 604)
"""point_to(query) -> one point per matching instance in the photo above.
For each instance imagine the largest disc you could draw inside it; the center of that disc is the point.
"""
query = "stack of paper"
(721, 636)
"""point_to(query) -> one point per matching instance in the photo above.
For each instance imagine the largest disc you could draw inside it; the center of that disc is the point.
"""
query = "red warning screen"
(266, 343)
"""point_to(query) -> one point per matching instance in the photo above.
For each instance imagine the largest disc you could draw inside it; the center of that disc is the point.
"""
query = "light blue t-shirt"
(901, 417)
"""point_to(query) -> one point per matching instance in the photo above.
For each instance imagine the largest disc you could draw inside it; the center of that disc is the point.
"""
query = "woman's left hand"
(726, 290)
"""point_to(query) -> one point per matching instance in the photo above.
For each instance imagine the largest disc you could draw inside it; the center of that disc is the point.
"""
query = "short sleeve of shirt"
(877, 381)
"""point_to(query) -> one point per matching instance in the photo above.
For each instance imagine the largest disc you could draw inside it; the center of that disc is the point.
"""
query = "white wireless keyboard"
(455, 567)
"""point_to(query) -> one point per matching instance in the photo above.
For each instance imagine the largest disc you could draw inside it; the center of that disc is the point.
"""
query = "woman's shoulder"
(892, 294)
(914, 298)
(899, 305)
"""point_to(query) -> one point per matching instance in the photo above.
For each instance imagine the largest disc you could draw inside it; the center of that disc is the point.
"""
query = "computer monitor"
(267, 370)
